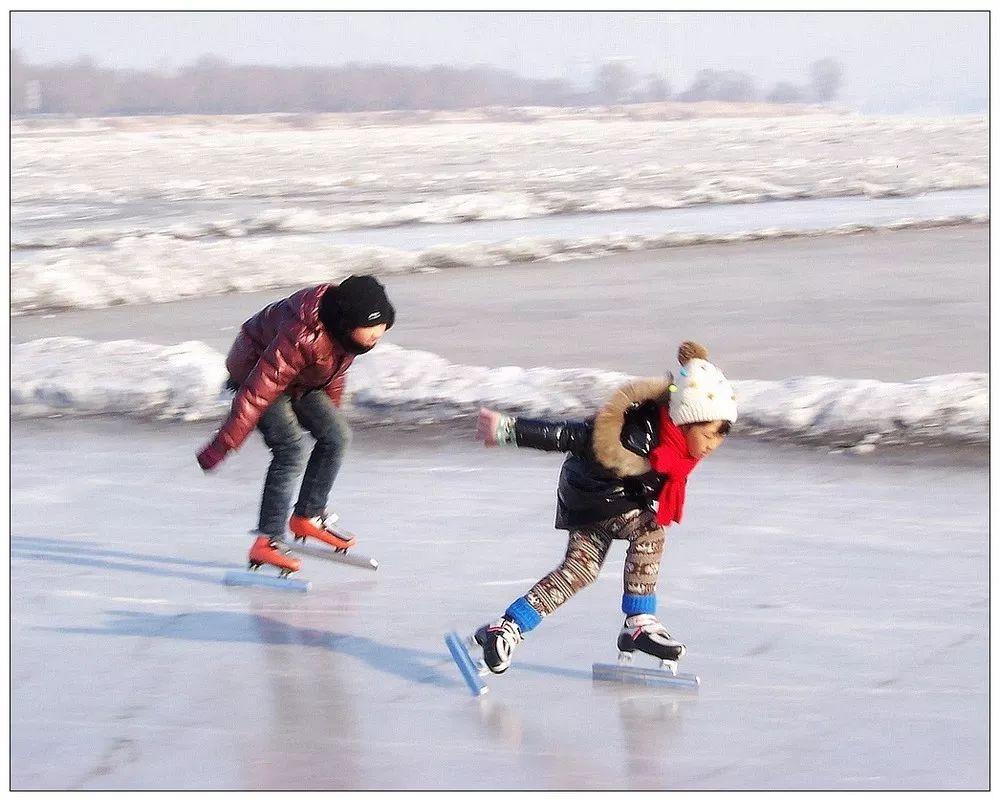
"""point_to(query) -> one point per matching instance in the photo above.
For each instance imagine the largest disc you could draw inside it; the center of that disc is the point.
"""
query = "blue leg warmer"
(634, 605)
(523, 614)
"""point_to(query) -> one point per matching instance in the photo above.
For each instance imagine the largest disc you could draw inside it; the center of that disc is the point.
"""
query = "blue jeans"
(283, 425)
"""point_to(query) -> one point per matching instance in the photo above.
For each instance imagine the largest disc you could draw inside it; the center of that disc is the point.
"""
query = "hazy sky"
(922, 60)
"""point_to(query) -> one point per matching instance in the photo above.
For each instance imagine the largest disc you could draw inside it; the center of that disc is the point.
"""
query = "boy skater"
(288, 367)
(637, 450)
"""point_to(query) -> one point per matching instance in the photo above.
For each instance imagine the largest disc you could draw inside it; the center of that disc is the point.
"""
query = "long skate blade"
(246, 578)
(328, 553)
(637, 675)
(464, 662)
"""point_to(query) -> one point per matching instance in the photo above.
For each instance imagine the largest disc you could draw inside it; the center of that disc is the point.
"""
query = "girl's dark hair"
(725, 427)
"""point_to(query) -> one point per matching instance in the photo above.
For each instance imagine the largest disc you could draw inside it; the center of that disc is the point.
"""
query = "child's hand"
(209, 457)
(486, 427)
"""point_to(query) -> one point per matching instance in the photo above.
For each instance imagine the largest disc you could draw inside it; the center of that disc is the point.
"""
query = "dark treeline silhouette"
(213, 86)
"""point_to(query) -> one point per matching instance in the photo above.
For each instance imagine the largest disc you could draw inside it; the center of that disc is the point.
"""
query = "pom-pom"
(691, 350)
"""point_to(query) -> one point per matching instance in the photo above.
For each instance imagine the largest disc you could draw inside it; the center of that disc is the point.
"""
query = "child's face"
(368, 336)
(704, 438)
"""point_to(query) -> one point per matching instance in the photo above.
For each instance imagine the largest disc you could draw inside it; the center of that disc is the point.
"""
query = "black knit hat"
(358, 302)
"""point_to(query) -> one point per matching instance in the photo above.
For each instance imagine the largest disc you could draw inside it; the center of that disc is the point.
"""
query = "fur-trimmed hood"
(606, 443)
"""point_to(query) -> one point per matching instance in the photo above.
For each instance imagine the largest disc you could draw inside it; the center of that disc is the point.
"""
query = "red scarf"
(672, 459)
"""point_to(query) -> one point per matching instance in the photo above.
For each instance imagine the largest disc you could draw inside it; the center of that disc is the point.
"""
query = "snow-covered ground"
(835, 608)
(161, 268)
(71, 376)
(490, 170)
(108, 213)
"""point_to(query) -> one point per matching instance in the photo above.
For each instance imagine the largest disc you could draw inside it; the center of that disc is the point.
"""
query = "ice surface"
(836, 610)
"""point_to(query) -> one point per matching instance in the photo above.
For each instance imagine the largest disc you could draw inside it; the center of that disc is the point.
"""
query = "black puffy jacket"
(607, 472)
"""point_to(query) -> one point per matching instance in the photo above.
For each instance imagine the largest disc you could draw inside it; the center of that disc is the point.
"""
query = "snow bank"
(117, 212)
(159, 268)
(73, 376)
(76, 377)
(486, 206)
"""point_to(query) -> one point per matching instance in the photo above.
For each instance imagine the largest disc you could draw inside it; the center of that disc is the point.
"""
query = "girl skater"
(288, 368)
(637, 450)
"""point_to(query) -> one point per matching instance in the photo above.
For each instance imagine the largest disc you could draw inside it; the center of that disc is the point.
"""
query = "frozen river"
(834, 605)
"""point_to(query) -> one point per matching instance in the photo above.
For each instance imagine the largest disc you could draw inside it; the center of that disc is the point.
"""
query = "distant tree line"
(213, 86)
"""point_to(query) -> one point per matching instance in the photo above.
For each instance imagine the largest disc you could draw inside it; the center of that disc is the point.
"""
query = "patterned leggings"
(587, 551)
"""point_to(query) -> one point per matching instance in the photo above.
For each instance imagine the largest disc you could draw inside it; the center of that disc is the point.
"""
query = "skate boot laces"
(274, 541)
(508, 636)
(326, 520)
(649, 624)
(497, 640)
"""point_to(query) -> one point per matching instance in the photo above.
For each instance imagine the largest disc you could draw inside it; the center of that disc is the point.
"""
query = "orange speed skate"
(321, 528)
(265, 551)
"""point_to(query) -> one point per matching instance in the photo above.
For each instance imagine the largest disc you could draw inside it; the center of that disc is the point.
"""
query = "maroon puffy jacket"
(284, 348)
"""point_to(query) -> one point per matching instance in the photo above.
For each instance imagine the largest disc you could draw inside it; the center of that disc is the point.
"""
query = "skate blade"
(465, 664)
(473, 648)
(248, 579)
(328, 553)
(636, 675)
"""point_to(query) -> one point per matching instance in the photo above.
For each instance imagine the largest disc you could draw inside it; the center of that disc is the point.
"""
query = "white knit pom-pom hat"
(700, 392)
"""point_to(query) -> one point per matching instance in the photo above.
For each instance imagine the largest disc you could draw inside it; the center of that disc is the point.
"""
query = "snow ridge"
(68, 376)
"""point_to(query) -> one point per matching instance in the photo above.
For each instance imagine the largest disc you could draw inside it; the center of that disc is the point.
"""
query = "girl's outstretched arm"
(496, 429)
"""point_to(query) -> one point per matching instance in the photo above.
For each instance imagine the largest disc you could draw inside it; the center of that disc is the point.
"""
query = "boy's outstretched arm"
(496, 429)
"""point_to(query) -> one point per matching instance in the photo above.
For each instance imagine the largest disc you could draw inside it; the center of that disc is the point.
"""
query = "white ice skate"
(646, 635)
